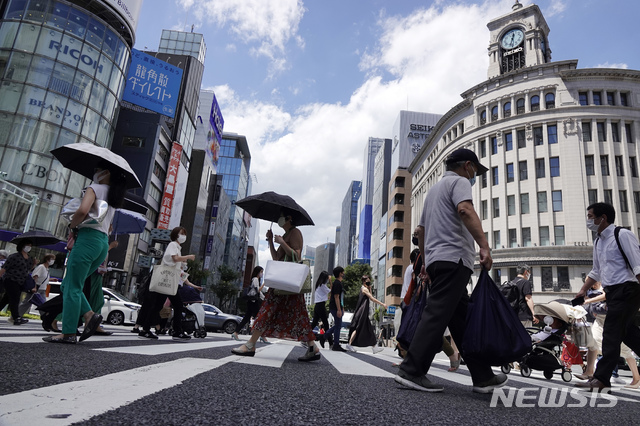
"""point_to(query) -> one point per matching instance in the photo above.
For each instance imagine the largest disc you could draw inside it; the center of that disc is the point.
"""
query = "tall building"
(324, 256)
(63, 68)
(555, 139)
(381, 176)
(348, 223)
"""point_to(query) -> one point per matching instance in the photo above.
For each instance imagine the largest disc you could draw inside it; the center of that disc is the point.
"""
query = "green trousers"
(94, 293)
(89, 251)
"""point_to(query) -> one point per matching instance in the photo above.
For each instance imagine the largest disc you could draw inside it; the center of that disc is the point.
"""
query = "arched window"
(520, 106)
(535, 103)
(506, 109)
(550, 100)
(494, 113)
(483, 117)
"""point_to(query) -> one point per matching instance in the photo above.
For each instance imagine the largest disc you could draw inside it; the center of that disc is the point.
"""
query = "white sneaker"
(377, 349)
(618, 381)
(350, 348)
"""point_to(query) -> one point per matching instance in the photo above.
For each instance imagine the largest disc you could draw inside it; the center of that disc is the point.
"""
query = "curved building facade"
(555, 139)
(63, 69)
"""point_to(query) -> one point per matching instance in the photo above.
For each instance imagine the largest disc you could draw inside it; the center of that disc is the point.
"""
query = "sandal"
(60, 339)
(310, 355)
(250, 351)
(454, 364)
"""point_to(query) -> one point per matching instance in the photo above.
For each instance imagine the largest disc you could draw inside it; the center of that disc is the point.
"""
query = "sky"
(308, 82)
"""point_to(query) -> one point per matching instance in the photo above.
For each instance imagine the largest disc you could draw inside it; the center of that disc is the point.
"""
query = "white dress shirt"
(609, 266)
(406, 281)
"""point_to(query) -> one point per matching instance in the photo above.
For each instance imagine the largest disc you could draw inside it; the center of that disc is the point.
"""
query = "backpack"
(511, 292)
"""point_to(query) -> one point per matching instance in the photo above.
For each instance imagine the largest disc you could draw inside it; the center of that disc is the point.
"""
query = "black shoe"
(322, 340)
(330, 340)
(420, 383)
(136, 330)
(20, 321)
(338, 348)
(182, 337)
(64, 339)
(310, 355)
(147, 335)
(496, 381)
(91, 327)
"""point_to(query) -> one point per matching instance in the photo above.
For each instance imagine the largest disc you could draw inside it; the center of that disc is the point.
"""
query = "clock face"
(415, 147)
(512, 39)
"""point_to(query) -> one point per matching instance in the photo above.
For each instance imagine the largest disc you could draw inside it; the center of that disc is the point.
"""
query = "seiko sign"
(419, 131)
(512, 51)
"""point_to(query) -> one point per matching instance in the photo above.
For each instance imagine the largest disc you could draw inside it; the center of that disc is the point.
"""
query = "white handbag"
(165, 280)
(96, 215)
(288, 276)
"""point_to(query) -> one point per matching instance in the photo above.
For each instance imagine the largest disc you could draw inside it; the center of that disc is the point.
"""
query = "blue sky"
(309, 81)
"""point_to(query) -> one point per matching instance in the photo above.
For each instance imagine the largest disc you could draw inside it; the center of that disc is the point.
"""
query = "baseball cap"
(463, 154)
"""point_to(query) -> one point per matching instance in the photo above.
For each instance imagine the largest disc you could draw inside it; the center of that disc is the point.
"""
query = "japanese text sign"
(169, 186)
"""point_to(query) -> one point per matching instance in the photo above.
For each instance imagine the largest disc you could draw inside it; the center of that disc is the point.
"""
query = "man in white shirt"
(616, 264)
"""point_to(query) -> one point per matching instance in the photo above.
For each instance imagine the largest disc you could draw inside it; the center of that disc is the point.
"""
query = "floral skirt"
(284, 317)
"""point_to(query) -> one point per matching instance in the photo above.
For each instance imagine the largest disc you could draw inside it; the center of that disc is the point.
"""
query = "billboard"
(129, 10)
(214, 135)
(169, 186)
(152, 84)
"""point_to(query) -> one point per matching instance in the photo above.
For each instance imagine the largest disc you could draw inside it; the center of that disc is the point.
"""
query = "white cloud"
(314, 153)
(608, 65)
(231, 47)
(555, 8)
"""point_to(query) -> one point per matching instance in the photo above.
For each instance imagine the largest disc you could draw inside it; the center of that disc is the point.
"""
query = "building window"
(554, 166)
(522, 169)
(483, 117)
(494, 113)
(615, 133)
(494, 175)
(633, 167)
(593, 196)
(483, 180)
(483, 148)
(159, 172)
(550, 100)
(627, 131)
(521, 137)
(524, 203)
(496, 207)
(556, 200)
(597, 98)
(494, 145)
(602, 132)
(520, 106)
(584, 99)
(535, 103)
(624, 205)
(496, 240)
(608, 196)
(542, 202)
(589, 165)
(586, 131)
(133, 142)
(636, 201)
(540, 173)
(510, 173)
(558, 232)
(537, 136)
(508, 141)
(506, 109)
(544, 235)
(552, 134)
(611, 98)
(511, 205)
(604, 165)
(619, 165)
(513, 238)
(526, 237)
(623, 99)
(485, 209)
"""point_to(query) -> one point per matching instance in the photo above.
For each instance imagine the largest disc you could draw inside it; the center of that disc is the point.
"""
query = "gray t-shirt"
(445, 236)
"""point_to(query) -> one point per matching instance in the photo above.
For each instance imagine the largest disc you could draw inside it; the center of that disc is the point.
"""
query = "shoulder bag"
(165, 280)
(286, 277)
(96, 215)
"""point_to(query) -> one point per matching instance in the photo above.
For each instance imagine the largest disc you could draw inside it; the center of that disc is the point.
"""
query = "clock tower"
(517, 40)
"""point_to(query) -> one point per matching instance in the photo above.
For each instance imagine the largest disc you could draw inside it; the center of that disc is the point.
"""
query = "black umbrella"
(38, 238)
(269, 206)
(135, 203)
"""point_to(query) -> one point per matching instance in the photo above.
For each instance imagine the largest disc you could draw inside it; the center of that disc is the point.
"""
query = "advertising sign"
(169, 186)
(128, 9)
(152, 84)
(214, 135)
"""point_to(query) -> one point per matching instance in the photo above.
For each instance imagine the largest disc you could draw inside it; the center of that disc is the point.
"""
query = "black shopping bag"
(494, 334)
(411, 316)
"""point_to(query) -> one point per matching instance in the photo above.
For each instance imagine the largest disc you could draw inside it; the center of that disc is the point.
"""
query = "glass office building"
(62, 72)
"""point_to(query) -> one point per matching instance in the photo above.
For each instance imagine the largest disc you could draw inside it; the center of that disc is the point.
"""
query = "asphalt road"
(122, 380)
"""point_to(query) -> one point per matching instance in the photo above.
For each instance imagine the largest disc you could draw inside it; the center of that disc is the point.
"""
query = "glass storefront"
(62, 74)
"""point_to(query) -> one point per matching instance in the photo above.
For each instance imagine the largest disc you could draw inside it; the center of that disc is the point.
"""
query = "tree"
(352, 283)
(225, 289)
(197, 275)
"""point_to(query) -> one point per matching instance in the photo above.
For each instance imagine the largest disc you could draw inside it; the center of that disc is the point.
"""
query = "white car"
(117, 309)
(346, 323)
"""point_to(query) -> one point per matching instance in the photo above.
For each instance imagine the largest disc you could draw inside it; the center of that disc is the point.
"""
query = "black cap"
(463, 154)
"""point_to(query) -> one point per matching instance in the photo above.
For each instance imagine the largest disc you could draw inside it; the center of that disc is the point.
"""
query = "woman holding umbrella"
(90, 249)
(14, 272)
(283, 315)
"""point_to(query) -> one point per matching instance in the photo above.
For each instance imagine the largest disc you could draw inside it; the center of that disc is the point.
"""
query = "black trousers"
(623, 302)
(446, 307)
(253, 307)
(320, 314)
(153, 302)
(11, 297)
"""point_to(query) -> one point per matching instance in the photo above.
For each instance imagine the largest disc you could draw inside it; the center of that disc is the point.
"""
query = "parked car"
(215, 319)
(117, 309)
(346, 323)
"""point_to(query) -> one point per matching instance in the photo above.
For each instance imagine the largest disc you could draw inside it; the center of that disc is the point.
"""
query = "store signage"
(153, 84)
(214, 136)
(512, 51)
(76, 54)
(128, 9)
(419, 131)
(169, 186)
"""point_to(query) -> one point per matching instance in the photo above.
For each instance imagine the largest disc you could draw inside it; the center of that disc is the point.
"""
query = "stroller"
(547, 345)
(192, 320)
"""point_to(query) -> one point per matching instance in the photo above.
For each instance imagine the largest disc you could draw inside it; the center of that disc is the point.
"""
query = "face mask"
(415, 241)
(472, 180)
(182, 238)
(592, 226)
(51, 262)
(281, 221)
(99, 175)
(27, 249)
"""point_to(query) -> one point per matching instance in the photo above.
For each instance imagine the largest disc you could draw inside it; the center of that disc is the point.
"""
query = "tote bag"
(287, 276)
(165, 280)
(494, 335)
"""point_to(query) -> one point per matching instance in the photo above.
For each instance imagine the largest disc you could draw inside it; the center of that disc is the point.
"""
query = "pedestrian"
(525, 296)
(14, 273)
(616, 264)
(254, 302)
(320, 308)
(40, 276)
(448, 227)
(283, 315)
(93, 288)
(408, 287)
(361, 330)
(3, 257)
(336, 307)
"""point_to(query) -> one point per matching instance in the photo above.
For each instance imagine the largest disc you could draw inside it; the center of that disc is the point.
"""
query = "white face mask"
(182, 238)
(27, 249)
(51, 262)
(592, 226)
(281, 221)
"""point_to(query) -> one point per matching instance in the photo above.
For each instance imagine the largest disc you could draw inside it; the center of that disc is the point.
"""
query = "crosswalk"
(38, 405)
